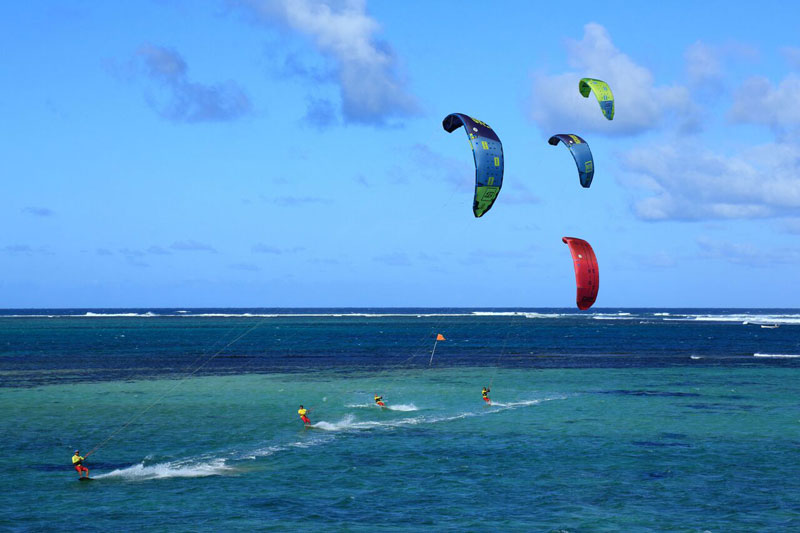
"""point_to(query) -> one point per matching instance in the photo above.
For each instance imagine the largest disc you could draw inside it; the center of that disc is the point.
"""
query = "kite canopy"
(587, 275)
(580, 152)
(488, 153)
(602, 92)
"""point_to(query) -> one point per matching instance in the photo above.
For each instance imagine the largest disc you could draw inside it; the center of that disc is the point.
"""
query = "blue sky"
(290, 153)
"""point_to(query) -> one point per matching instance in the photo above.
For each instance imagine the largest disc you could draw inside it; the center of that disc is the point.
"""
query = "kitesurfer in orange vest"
(379, 400)
(485, 393)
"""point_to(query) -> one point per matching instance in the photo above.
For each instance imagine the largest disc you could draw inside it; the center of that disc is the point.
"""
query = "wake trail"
(404, 407)
(349, 423)
(169, 469)
(231, 463)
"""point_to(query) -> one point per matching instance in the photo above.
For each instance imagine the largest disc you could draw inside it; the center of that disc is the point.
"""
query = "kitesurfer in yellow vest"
(485, 393)
(77, 462)
(303, 412)
(379, 400)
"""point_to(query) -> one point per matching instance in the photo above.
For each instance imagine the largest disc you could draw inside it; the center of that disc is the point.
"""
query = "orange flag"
(439, 337)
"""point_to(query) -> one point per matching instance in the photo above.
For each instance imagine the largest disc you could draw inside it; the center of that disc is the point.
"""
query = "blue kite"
(580, 152)
(488, 152)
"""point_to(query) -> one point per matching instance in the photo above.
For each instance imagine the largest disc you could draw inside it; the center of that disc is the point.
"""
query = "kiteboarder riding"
(77, 461)
(379, 400)
(485, 393)
(303, 412)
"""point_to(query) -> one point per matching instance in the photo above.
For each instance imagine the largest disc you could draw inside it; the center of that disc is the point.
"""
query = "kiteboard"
(85, 479)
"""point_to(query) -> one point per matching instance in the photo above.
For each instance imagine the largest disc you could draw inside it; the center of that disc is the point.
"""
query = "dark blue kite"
(488, 152)
(580, 151)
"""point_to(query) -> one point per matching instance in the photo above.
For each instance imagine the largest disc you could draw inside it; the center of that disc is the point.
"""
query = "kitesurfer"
(303, 412)
(379, 400)
(485, 393)
(77, 462)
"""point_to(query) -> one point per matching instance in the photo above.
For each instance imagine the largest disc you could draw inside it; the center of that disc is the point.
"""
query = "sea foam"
(142, 472)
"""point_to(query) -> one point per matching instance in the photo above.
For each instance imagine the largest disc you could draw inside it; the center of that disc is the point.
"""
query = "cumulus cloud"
(687, 182)
(705, 64)
(641, 105)
(371, 88)
(187, 101)
(704, 67)
(38, 211)
(760, 102)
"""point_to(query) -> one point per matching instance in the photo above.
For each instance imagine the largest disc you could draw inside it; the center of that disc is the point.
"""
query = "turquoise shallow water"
(590, 449)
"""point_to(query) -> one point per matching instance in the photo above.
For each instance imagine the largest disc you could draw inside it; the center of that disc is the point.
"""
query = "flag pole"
(439, 337)
(433, 351)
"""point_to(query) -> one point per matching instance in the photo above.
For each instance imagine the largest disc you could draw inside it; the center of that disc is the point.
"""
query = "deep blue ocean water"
(620, 419)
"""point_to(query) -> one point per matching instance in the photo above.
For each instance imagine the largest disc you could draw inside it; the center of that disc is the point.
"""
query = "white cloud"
(760, 102)
(640, 104)
(692, 183)
(704, 66)
(370, 86)
(187, 101)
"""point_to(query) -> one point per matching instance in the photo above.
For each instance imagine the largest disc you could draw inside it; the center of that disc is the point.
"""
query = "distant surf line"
(753, 318)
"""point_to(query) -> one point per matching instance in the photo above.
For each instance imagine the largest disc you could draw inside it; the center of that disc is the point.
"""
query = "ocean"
(611, 420)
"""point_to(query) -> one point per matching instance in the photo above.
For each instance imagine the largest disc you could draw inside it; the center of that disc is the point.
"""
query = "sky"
(277, 153)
